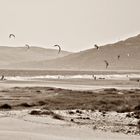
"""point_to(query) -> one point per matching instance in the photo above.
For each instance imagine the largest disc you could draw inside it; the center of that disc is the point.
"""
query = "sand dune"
(93, 59)
(10, 55)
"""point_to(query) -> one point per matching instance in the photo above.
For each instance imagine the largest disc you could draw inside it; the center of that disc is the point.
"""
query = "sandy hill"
(11, 55)
(93, 59)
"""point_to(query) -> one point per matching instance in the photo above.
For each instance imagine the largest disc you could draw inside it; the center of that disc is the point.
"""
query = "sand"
(27, 127)
(19, 124)
(75, 84)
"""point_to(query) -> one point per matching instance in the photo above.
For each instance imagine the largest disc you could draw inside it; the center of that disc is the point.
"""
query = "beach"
(15, 129)
(70, 70)
(69, 109)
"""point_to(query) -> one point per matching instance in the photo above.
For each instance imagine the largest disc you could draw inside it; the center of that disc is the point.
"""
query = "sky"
(73, 24)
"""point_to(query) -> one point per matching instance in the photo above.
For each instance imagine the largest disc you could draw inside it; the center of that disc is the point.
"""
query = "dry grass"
(104, 100)
(26, 105)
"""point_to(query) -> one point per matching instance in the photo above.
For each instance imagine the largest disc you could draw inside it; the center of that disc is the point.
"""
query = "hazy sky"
(74, 24)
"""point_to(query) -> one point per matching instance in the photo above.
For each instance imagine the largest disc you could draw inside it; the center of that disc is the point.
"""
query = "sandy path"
(15, 129)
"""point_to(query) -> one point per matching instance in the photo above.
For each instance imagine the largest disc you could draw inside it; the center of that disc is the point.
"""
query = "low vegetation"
(105, 100)
(61, 99)
(47, 112)
(5, 106)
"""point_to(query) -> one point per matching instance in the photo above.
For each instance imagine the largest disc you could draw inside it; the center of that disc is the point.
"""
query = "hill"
(93, 59)
(11, 55)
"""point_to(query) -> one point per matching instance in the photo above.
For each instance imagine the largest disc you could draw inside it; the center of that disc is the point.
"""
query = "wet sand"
(73, 84)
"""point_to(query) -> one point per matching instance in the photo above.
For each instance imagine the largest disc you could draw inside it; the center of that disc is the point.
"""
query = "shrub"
(41, 103)
(26, 105)
(5, 106)
(138, 125)
(57, 116)
(35, 112)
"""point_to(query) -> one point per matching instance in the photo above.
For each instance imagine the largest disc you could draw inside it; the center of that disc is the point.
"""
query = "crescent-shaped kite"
(107, 64)
(12, 35)
(26, 45)
(58, 48)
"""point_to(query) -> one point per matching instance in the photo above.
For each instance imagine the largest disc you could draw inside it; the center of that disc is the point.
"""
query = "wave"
(43, 77)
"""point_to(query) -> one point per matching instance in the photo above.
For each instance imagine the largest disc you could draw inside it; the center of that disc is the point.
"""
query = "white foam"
(43, 77)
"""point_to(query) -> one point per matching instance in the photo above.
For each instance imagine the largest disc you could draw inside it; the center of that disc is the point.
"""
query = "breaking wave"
(90, 77)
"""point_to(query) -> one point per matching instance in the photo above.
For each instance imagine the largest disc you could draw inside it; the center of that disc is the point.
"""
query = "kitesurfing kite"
(12, 36)
(107, 64)
(26, 45)
(96, 46)
(58, 48)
